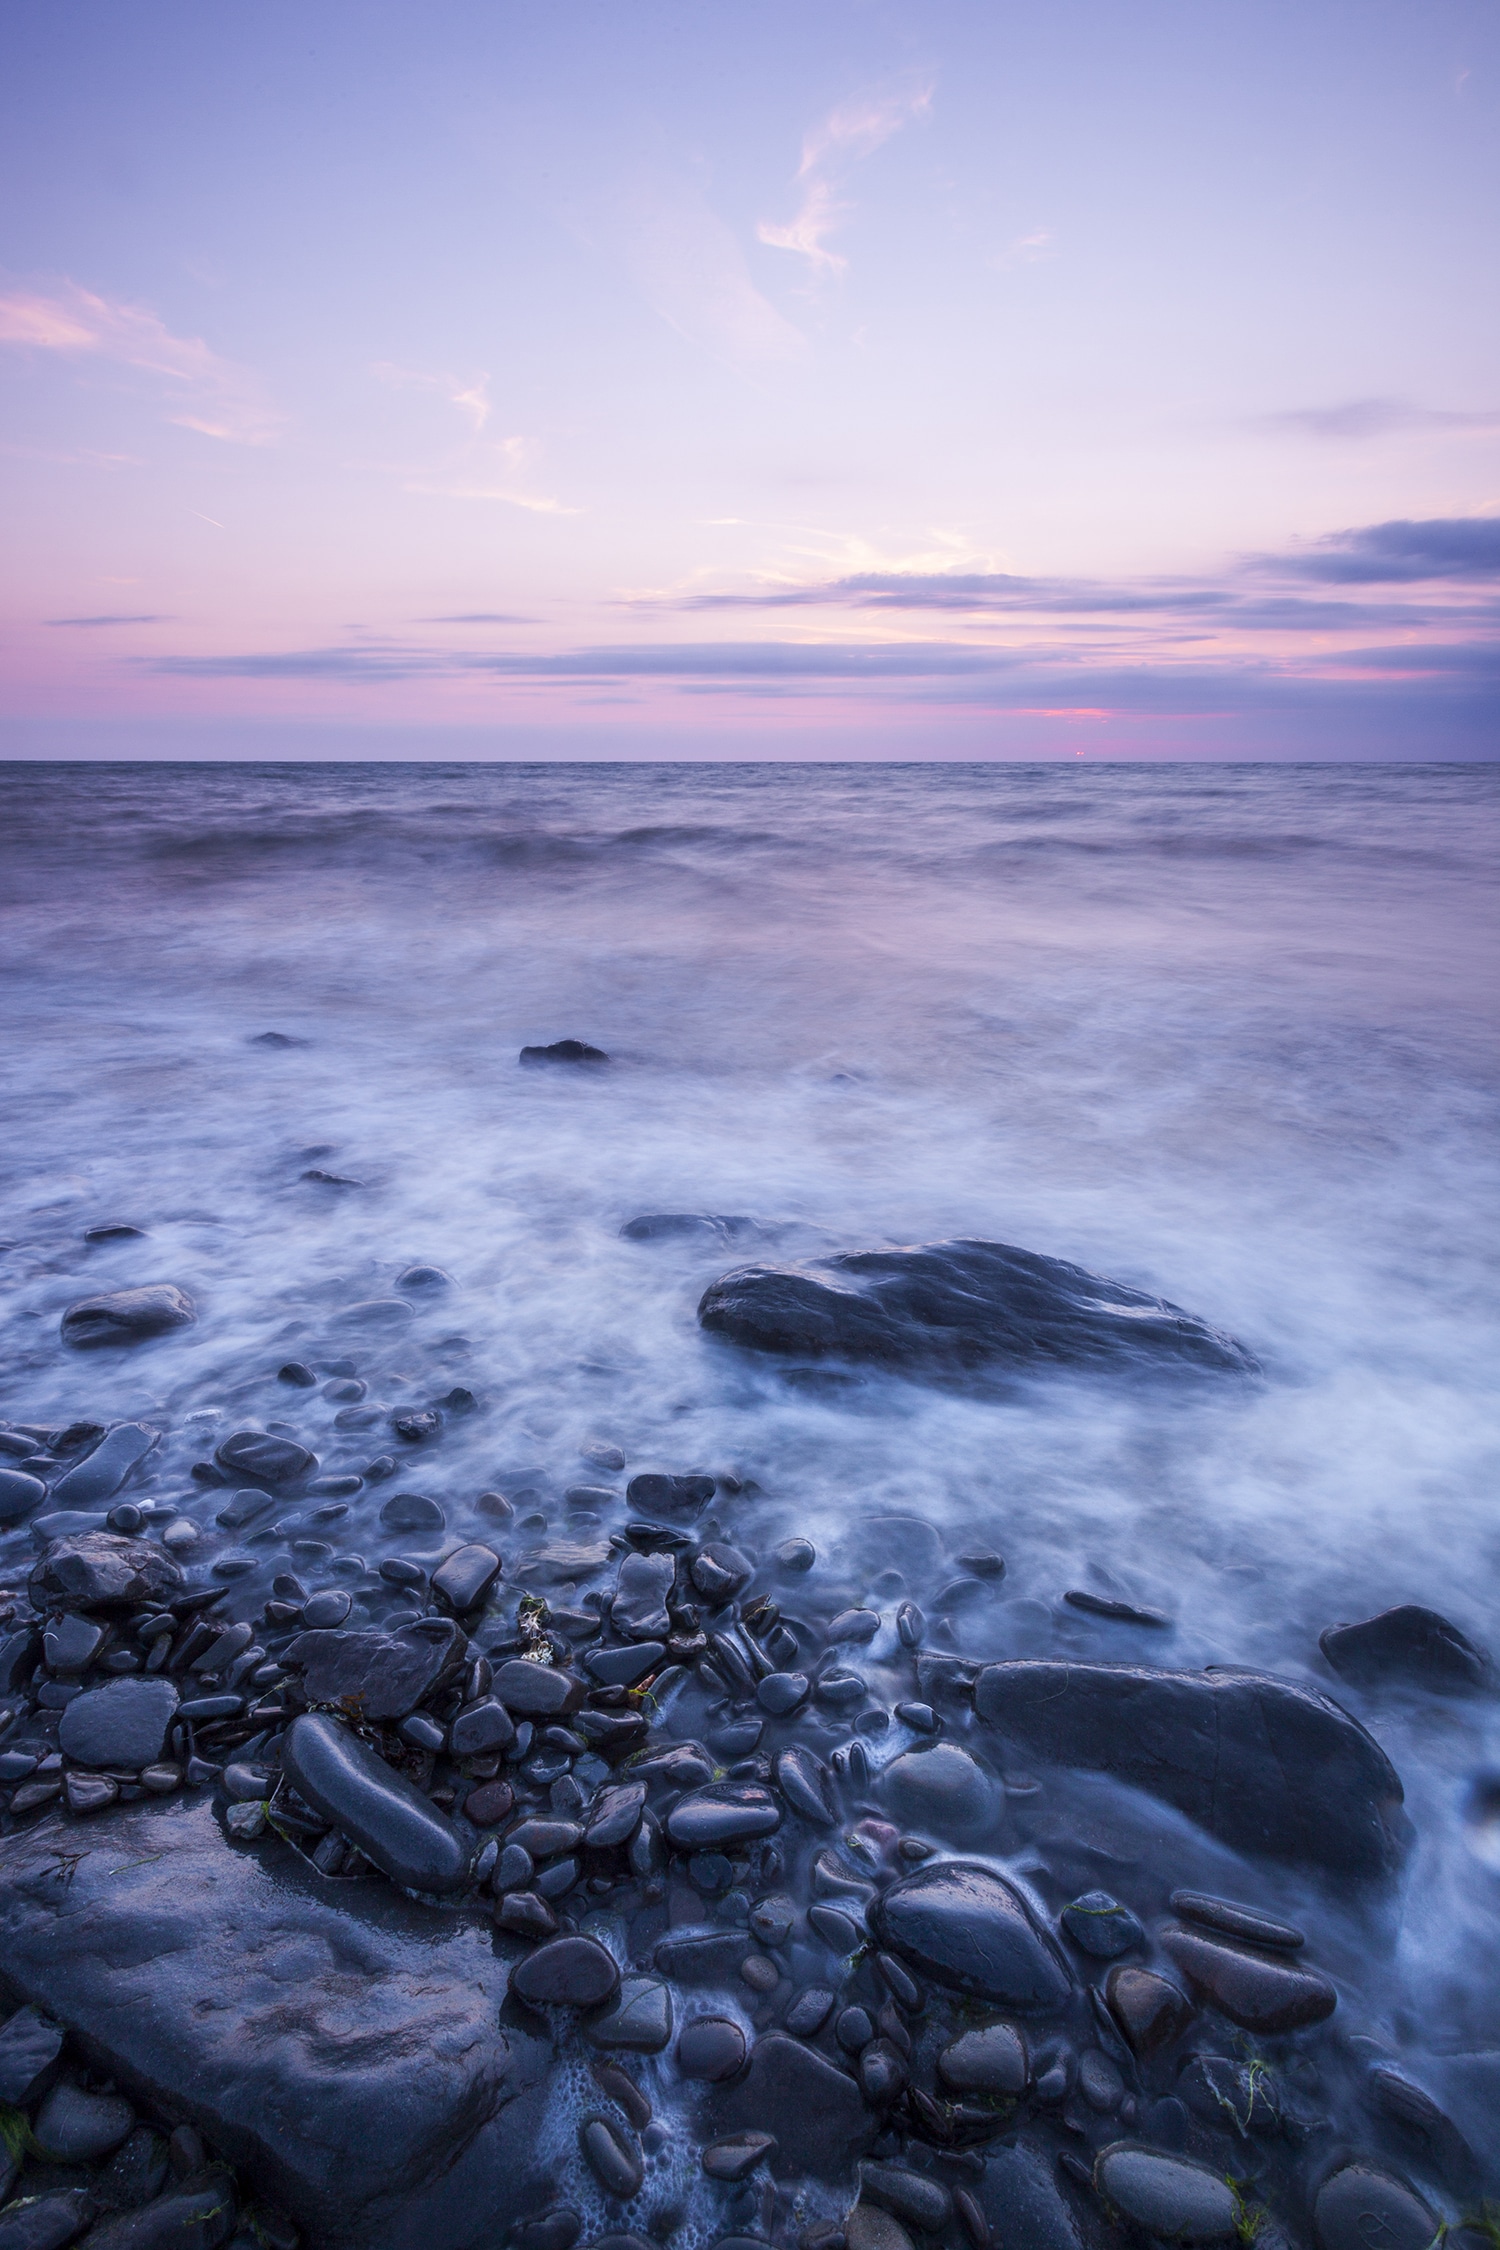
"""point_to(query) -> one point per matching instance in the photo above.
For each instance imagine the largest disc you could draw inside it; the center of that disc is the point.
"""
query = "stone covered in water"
(121, 1724)
(89, 1570)
(811, 2109)
(991, 2060)
(100, 1475)
(128, 1316)
(1263, 1765)
(377, 1675)
(1258, 1991)
(1409, 1643)
(273, 1460)
(394, 1825)
(958, 1307)
(943, 1792)
(1359, 2206)
(971, 1930)
(1167, 2196)
(569, 1972)
(1101, 1926)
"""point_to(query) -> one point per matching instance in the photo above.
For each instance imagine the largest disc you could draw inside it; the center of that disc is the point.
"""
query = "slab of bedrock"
(338, 2042)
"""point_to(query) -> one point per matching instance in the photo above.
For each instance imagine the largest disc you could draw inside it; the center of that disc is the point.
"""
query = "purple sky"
(723, 379)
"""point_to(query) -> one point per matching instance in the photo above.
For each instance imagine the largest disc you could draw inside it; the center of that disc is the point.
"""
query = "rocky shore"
(610, 1874)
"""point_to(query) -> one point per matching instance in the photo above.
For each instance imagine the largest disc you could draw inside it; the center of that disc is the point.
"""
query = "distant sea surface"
(1226, 1033)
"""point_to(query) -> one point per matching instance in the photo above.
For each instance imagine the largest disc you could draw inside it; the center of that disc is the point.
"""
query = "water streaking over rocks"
(748, 1507)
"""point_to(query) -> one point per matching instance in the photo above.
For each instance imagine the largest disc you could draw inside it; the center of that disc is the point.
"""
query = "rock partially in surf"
(377, 1675)
(1169, 2197)
(812, 2110)
(395, 1826)
(955, 1308)
(102, 1570)
(570, 1972)
(969, 1929)
(271, 1460)
(1101, 1926)
(20, 1496)
(101, 1473)
(128, 1316)
(1256, 1990)
(652, 1491)
(570, 1053)
(688, 1226)
(1265, 1766)
(943, 1792)
(1359, 2205)
(1409, 1643)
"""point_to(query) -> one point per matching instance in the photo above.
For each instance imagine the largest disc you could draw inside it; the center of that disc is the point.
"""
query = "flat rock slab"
(339, 2043)
(812, 2111)
(1265, 1766)
(953, 1308)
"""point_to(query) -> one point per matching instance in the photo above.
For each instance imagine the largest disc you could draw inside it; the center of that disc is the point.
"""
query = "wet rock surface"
(1263, 1765)
(128, 1316)
(1407, 1644)
(958, 1308)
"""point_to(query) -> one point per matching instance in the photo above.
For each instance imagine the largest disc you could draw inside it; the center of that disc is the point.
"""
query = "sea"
(1222, 1032)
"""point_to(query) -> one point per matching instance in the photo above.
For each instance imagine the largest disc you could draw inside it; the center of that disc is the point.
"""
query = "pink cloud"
(212, 395)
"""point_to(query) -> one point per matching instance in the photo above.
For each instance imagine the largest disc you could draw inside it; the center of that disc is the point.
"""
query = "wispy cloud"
(1360, 419)
(849, 133)
(108, 620)
(210, 394)
(496, 469)
(1402, 552)
(470, 394)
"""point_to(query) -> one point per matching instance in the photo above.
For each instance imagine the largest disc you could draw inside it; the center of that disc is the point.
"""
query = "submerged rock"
(959, 1307)
(394, 1825)
(810, 2108)
(128, 1316)
(1409, 1643)
(100, 1475)
(340, 2044)
(943, 1792)
(1261, 1764)
(971, 1930)
(102, 1570)
(1359, 2206)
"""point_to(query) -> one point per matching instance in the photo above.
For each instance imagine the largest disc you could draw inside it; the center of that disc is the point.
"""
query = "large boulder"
(339, 2043)
(1265, 1766)
(955, 1308)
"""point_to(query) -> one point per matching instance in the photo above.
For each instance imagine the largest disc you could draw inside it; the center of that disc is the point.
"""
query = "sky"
(728, 378)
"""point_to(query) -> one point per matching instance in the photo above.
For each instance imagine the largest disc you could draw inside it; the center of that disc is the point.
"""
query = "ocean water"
(1226, 1033)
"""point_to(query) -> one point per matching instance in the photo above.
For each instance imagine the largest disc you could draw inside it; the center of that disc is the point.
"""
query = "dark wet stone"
(710, 2048)
(615, 1814)
(853, 1625)
(727, 1812)
(651, 1492)
(1022, 2202)
(953, 1308)
(796, 1554)
(839, 1689)
(412, 1511)
(71, 1642)
(466, 1576)
(969, 1929)
(1235, 1920)
(914, 2196)
(569, 1972)
(525, 1915)
(854, 2029)
(1410, 2115)
(991, 2060)
(490, 1802)
(191, 2218)
(1101, 1926)
(614, 2163)
(300, 1377)
(244, 1507)
(544, 1839)
(1149, 2009)
(359, 2070)
(425, 1277)
(20, 1494)
(639, 2022)
(1263, 1765)
(1168, 2196)
(809, 2011)
(30, 2046)
(89, 1792)
(781, 1693)
(480, 1728)
(565, 1051)
(622, 1667)
(639, 1607)
(102, 1570)
(719, 1571)
(942, 1791)
(136, 2172)
(100, 1475)
(46, 2222)
(416, 1424)
(123, 1724)
(537, 1691)
(128, 1316)
(76, 2127)
(326, 1610)
(394, 1825)
(273, 1460)
(1099, 2081)
(1259, 1991)
(1409, 1643)
(377, 1675)
(812, 2110)
(1123, 1613)
(665, 1226)
(736, 2159)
